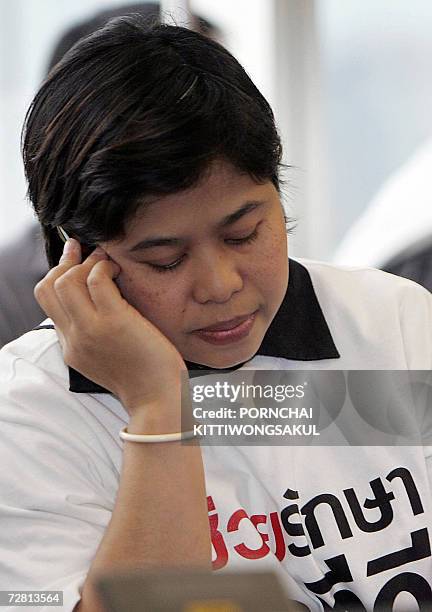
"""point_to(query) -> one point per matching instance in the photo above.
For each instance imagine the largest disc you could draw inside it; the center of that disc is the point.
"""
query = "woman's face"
(218, 251)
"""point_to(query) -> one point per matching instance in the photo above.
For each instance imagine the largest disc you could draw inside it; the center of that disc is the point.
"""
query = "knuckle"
(94, 279)
(39, 290)
(51, 276)
(58, 270)
(67, 279)
(60, 283)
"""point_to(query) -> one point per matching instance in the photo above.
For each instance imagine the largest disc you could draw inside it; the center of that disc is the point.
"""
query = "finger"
(72, 290)
(71, 255)
(97, 255)
(102, 289)
(50, 304)
(44, 291)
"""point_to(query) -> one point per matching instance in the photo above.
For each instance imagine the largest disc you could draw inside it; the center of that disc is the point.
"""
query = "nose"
(216, 279)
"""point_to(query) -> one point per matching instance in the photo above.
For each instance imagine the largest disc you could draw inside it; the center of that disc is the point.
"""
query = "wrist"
(153, 397)
(160, 417)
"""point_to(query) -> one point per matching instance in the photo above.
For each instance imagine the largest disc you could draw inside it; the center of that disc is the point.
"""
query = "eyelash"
(236, 241)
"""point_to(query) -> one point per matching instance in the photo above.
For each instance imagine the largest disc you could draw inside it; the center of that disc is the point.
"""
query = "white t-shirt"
(328, 520)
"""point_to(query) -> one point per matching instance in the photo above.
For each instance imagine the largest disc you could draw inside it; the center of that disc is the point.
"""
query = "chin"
(223, 365)
(222, 362)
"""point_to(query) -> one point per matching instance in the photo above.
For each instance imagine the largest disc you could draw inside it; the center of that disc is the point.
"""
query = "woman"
(157, 154)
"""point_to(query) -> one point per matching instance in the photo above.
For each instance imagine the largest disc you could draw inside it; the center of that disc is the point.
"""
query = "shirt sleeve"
(54, 500)
(416, 323)
(416, 326)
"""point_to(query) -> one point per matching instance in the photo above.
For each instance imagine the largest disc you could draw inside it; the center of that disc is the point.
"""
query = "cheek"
(153, 299)
(272, 275)
(273, 255)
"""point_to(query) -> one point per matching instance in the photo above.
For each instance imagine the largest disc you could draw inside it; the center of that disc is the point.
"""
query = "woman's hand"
(104, 337)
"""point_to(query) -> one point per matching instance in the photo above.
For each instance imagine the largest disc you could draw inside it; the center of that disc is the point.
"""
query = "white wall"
(376, 59)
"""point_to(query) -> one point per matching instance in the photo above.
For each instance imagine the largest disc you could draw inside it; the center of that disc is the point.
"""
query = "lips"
(238, 330)
(225, 325)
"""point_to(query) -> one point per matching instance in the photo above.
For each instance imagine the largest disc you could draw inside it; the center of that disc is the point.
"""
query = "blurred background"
(350, 83)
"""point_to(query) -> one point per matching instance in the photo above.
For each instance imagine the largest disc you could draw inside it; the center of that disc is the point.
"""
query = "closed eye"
(246, 240)
(234, 241)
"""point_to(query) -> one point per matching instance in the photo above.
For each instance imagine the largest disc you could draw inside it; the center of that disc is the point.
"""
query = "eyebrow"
(230, 219)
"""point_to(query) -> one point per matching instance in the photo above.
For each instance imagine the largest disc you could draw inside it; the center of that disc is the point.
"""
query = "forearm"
(160, 515)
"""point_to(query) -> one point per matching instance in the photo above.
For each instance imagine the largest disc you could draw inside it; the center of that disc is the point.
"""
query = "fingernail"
(98, 251)
(68, 248)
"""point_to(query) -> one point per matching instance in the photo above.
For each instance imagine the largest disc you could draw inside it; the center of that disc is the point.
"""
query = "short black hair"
(134, 112)
(149, 10)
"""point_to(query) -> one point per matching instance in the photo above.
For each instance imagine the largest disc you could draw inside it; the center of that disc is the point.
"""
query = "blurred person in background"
(159, 157)
(395, 231)
(23, 262)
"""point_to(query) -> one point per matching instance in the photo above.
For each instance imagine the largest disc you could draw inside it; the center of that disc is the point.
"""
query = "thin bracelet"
(168, 437)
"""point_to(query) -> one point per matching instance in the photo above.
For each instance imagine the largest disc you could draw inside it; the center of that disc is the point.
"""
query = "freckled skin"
(217, 280)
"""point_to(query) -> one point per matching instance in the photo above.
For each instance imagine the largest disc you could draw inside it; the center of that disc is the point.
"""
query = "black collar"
(298, 332)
